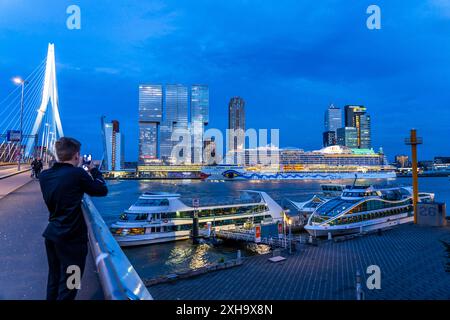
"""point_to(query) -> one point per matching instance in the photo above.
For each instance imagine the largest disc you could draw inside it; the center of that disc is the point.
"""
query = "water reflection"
(199, 258)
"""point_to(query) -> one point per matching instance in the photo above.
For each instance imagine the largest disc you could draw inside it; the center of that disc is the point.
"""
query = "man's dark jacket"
(63, 186)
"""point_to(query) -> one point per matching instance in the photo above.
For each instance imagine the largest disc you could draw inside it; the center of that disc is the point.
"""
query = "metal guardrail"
(118, 277)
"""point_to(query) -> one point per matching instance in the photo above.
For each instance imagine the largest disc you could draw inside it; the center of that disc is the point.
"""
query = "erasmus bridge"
(29, 126)
(29, 115)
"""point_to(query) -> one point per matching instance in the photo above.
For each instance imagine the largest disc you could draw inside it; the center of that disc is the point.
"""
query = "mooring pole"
(413, 141)
(195, 226)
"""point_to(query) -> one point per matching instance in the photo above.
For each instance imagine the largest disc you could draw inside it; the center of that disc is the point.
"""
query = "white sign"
(195, 202)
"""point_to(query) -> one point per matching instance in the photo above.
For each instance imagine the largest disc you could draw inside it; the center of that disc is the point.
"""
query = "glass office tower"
(150, 118)
(348, 137)
(199, 119)
(168, 110)
(364, 132)
(175, 118)
(356, 116)
(333, 118)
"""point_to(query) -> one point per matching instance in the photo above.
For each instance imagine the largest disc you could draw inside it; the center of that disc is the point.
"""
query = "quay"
(413, 260)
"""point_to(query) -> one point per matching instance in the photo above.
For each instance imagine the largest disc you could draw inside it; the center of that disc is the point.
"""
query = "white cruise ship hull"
(303, 175)
(358, 227)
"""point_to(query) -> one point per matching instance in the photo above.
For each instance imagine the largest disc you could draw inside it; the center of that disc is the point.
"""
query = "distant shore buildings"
(353, 132)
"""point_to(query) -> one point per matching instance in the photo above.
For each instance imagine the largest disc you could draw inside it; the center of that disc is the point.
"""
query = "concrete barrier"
(431, 214)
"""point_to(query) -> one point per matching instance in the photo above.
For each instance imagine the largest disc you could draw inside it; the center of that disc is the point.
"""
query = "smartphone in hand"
(87, 160)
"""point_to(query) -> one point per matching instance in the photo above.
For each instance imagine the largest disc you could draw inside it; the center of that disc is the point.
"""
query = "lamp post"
(413, 141)
(21, 82)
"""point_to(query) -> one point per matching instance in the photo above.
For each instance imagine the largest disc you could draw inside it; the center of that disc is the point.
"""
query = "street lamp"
(21, 82)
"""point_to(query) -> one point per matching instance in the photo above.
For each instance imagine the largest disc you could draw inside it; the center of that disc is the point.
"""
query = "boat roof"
(176, 203)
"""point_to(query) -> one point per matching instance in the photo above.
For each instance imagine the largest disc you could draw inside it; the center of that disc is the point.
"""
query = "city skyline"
(285, 86)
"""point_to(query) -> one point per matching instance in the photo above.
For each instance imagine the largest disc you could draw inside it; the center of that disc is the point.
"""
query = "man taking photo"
(63, 187)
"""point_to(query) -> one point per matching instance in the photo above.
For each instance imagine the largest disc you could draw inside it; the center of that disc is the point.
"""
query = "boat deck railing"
(118, 278)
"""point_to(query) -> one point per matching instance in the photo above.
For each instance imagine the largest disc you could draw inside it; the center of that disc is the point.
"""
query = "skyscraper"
(348, 137)
(113, 141)
(333, 118)
(199, 119)
(150, 119)
(332, 121)
(365, 141)
(236, 126)
(356, 116)
(164, 110)
(175, 118)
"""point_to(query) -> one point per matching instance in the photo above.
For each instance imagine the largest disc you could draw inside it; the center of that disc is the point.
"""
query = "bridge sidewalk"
(23, 263)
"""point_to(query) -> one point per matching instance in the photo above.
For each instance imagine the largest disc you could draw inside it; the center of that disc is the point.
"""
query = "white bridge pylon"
(49, 94)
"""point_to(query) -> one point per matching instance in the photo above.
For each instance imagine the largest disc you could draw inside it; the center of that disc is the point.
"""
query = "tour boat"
(163, 217)
(362, 209)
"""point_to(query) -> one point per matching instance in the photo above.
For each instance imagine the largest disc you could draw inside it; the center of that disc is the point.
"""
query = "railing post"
(359, 290)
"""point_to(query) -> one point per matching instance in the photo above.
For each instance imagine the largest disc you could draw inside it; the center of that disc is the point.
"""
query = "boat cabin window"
(359, 194)
(392, 195)
(152, 203)
(133, 217)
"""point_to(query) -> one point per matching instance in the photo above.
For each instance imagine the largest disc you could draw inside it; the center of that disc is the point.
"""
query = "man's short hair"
(67, 148)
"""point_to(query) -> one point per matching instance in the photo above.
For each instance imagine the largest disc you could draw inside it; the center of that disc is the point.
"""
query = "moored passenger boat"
(364, 208)
(163, 217)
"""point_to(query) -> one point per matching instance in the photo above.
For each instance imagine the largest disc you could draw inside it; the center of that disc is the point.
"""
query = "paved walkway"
(412, 259)
(23, 263)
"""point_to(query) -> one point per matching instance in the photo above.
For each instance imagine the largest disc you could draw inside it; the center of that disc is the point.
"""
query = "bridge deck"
(23, 263)
(413, 261)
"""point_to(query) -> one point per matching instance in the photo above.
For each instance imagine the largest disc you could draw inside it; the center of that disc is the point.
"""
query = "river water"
(160, 259)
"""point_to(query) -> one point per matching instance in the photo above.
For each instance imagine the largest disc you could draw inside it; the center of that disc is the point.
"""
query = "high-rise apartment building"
(236, 130)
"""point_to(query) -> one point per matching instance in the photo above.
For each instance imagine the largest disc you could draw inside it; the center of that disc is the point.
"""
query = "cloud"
(107, 70)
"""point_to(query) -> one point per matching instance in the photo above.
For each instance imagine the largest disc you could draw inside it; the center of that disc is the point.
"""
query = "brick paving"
(412, 260)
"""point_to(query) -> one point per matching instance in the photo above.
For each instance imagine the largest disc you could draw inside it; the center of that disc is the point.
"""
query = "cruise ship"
(330, 163)
(163, 217)
(362, 209)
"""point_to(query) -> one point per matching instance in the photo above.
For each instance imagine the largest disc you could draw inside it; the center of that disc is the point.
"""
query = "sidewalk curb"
(14, 173)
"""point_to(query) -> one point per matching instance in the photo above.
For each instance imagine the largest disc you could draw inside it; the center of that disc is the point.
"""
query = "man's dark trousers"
(61, 255)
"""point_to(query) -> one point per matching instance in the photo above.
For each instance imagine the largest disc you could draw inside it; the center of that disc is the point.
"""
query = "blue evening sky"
(288, 59)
